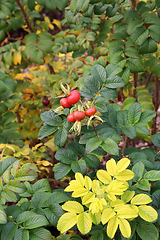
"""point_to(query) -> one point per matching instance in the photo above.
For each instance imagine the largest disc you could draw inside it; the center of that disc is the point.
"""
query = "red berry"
(79, 115)
(90, 111)
(45, 102)
(64, 103)
(70, 118)
(73, 97)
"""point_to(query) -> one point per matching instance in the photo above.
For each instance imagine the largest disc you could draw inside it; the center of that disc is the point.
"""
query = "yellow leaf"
(51, 26)
(73, 186)
(88, 182)
(117, 203)
(127, 195)
(125, 228)
(47, 20)
(112, 227)
(37, 146)
(79, 179)
(111, 167)
(122, 164)
(73, 206)
(96, 206)
(57, 23)
(148, 213)
(141, 199)
(126, 211)
(125, 175)
(96, 217)
(107, 214)
(117, 187)
(88, 198)
(66, 222)
(84, 223)
(17, 57)
(111, 196)
(104, 176)
(79, 192)
(46, 163)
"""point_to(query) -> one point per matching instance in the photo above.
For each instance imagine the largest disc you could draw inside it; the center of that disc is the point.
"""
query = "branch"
(135, 79)
(25, 16)
(133, 4)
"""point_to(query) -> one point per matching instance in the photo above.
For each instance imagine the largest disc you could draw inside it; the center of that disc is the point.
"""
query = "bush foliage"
(102, 58)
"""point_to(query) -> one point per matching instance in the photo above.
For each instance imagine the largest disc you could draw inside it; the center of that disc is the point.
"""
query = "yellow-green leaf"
(141, 199)
(125, 228)
(148, 213)
(96, 217)
(88, 198)
(88, 182)
(84, 223)
(127, 195)
(79, 192)
(125, 175)
(107, 214)
(79, 178)
(73, 185)
(111, 167)
(104, 176)
(117, 187)
(126, 211)
(66, 222)
(73, 206)
(122, 164)
(112, 227)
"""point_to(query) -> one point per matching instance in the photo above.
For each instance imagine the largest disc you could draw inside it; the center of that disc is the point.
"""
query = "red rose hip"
(64, 103)
(79, 115)
(90, 111)
(70, 118)
(73, 97)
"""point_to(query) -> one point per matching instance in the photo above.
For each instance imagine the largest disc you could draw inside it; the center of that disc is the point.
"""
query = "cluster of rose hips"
(71, 99)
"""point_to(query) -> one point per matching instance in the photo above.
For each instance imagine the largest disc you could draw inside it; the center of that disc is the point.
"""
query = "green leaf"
(147, 116)
(25, 174)
(2, 87)
(114, 82)
(140, 35)
(133, 25)
(79, 166)
(45, 45)
(61, 4)
(129, 131)
(58, 197)
(156, 139)
(152, 175)
(135, 65)
(76, 147)
(51, 118)
(93, 144)
(24, 216)
(134, 113)
(85, 92)
(156, 69)
(147, 230)
(31, 4)
(3, 217)
(9, 195)
(61, 170)
(122, 117)
(99, 73)
(60, 136)
(142, 128)
(149, 46)
(138, 170)
(112, 70)
(92, 161)
(41, 185)
(154, 32)
(97, 236)
(53, 213)
(6, 164)
(16, 186)
(50, 5)
(39, 198)
(22, 234)
(40, 234)
(91, 83)
(144, 185)
(9, 231)
(35, 221)
(46, 130)
(66, 155)
(108, 93)
(110, 146)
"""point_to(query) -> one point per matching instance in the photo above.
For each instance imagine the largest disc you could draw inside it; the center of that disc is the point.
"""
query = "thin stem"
(133, 4)
(25, 16)
(135, 79)
(148, 79)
